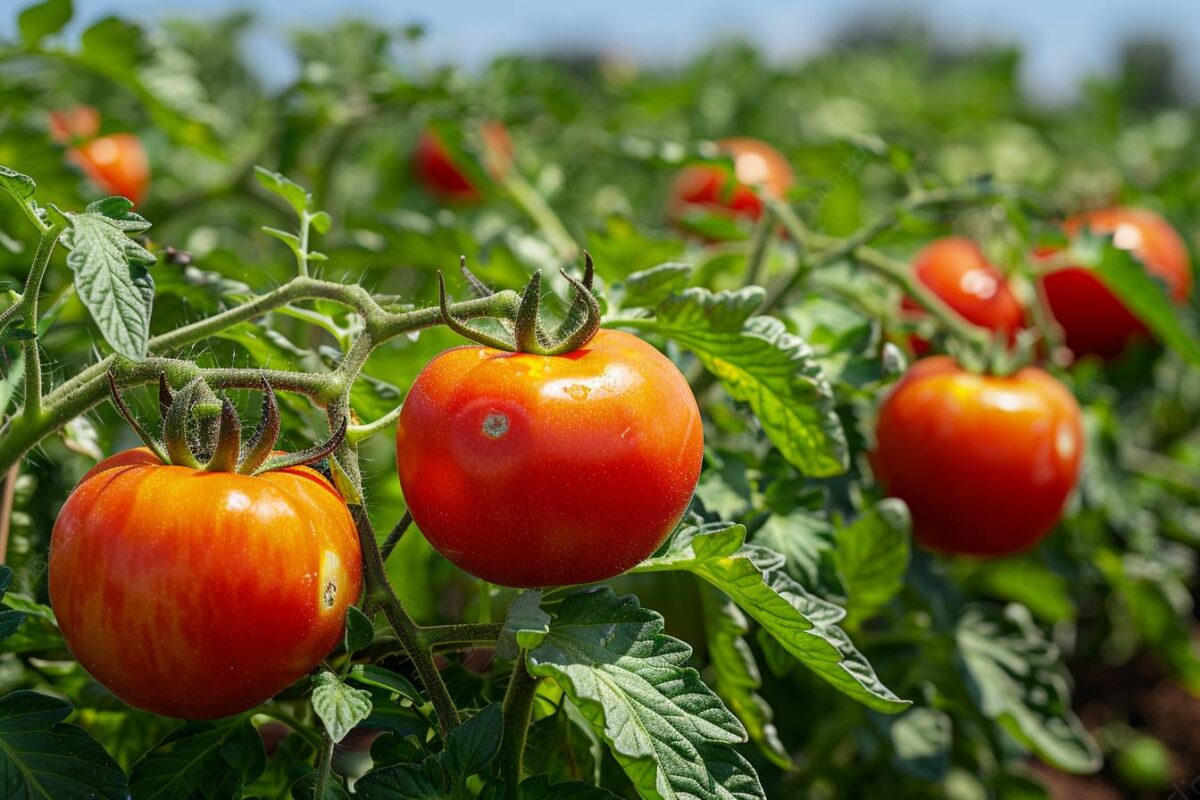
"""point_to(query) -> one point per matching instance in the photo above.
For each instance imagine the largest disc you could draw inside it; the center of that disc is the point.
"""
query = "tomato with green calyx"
(985, 463)
(956, 270)
(1093, 320)
(438, 173)
(200, 593)
(529, 470)
(710, 188)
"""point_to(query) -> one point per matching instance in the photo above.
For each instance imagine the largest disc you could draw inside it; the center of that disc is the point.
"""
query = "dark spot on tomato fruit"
(495, 425)
(330, 594)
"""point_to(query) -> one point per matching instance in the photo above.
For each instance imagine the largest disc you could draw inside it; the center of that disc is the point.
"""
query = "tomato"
(116, 164)
(529, 470)
(985, 463)
(201, 594)
(711, 189)
(435, 168)
(1093, 320)
(80, 122)
(956, 270)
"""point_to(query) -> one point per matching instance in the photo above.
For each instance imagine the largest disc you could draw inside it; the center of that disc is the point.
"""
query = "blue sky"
(1064, 40)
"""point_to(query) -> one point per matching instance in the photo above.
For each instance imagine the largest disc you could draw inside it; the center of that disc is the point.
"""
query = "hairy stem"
(518, 709)
(324, 767)
(466, 633)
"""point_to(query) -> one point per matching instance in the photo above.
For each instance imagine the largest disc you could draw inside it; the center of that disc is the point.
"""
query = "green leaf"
(760, 363)
(43, 758)
(306, 789)
(804, 624)
(293, 193)
(371, 675)
(360, 631)
(22, 188)
(472, 746)
(403, 782)
(525, 626)
(539, 787)
(42, 20)
(1018, 679)
(10, 620)
(339, 706)
(110, 272)
(196, 758)
(668, 731)
(806, 540)
(1128, 279)
(648, 288)
(872, 555)
(921, 742)
(736, 675)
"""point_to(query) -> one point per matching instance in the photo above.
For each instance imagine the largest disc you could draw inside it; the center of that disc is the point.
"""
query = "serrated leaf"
(539, 787)
(403, 782)
(293, 193)
(339, 706)
(21, 188)
(43, 19)
(668, 731)
(1018, 679)
(737, 678)
(760, 363)
(472, 746)
(806, 540)
(360, 631)
(525, 625)
(648, 288)
(197, 757)
(872, 555)
(43, 758)
(110, 273)
(805, 625)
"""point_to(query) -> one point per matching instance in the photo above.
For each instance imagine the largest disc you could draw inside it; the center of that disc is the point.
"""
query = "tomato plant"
(692, 523)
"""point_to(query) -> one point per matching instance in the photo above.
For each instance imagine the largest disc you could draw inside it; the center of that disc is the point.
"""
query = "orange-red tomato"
(984, 463)
(711, 189)
(201, 594)
(956, 270)
(529, 470)
(80, 122)
(1093, 320)
(435, 168)
(116, 164)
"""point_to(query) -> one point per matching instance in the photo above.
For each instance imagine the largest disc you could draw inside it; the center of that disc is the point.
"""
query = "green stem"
(28, 309)
(467, 633)
(305, 732)
(533, 204)
(393, 539)
(518, 709)
(324, 767)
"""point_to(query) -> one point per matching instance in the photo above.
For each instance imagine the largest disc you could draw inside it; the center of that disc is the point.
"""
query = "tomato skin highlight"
(441, 177)
(711, 188)
(985, 463)
(199, 595)
(1093, 320)
(116, 164)
(530, 470)
(956, 270)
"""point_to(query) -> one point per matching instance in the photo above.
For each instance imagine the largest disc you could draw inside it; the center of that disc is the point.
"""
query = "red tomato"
(1093, 320)
(80, 122)
(529, 470)
(956, 270)
(116, 164)
(441, 177)
(984, 463)
(711, 188)
(201, 594)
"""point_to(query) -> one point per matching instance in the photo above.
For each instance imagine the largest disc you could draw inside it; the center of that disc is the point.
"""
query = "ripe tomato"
(80, 122)
(712, 189)
(201, 594)
(116, 164)
(1093, 320)
(984, 463)
(441, 177)
(956, 270)
(530, 470)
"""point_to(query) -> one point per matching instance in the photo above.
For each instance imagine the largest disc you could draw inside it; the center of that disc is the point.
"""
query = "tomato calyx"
(203, 432)
(526, 331)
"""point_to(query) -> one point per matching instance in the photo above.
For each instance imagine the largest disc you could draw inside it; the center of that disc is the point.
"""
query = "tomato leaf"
(804, 624)
(277, 184)
(760, 363)
(564, 747)
(872, 555)
(806, 540)
(668, 731)
(648, 288)
(921, 740)
(42, 20)
(372, 675)
(403, 782)
(360, 631)
(21, 188)
(472, 746)
(10, 620)
(539, 787)
(736, 674)
(525, 626)
(1018, 679)
(111, 272)
(339, 706)
(196, 758)
(43, 757)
